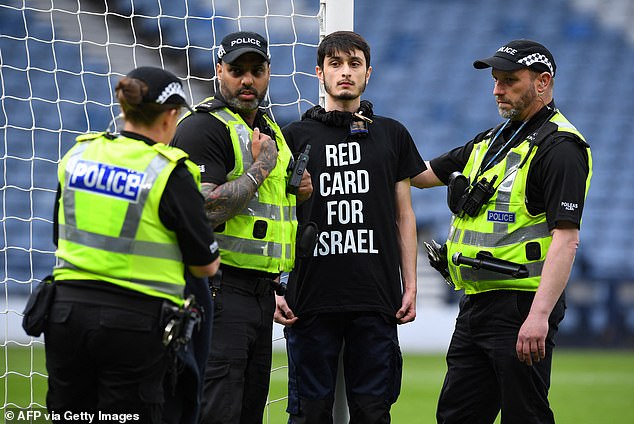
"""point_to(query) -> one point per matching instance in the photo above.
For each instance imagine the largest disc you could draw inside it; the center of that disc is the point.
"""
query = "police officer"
(243, 160)
(517, 194)
(127, 224)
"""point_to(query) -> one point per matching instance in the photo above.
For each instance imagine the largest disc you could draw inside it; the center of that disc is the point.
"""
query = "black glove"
(437, 256)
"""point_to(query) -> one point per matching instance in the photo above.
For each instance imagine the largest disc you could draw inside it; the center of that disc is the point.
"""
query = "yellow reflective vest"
(504, 227)
(262, 236)
(109, 225)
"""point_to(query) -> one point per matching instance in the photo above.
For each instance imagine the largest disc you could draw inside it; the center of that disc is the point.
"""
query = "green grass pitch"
(588, 386)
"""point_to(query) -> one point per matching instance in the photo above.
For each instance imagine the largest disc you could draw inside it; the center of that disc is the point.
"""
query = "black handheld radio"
(297, 168)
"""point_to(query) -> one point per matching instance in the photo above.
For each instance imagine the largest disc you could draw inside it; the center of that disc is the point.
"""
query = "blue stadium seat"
(422, 54)
(451, 101)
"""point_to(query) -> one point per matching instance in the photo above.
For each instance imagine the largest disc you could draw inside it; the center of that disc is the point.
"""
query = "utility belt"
(246, 282)
(115, 297)
(178, 323)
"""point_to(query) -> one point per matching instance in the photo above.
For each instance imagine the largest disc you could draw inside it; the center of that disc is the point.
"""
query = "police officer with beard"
(517, 193)
(243, 160)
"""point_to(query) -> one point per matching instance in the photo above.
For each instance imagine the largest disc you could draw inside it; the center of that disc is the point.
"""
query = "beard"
(240, 105)
(345, 95)
(518, 107)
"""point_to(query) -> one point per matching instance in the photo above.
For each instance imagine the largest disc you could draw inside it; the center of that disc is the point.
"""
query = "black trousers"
(238, 370)
(184, 395)
(102, 358)
(372, 366)
(484, 375)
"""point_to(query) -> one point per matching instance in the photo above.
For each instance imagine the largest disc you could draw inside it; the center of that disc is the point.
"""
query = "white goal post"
(59, 62)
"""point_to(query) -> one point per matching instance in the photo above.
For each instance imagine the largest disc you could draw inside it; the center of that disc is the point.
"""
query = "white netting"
(59, 61)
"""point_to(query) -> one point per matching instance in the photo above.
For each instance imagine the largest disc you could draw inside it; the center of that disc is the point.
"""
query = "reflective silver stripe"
(245, 145)
(262, 210)
(243, 135)
(120, 245)
(288, 251)
(564, 124)
(135, 210)
(224, 115)
(290, 212)
(268, 211)
(250, 247)
(482, 149)
(470, 274)
(503, 198)
(492, 240)
(69, 196)
(165, 288)
(454, 234)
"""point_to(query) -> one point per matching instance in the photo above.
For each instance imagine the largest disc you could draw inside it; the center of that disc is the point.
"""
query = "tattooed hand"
(224, 201)
(264, 150)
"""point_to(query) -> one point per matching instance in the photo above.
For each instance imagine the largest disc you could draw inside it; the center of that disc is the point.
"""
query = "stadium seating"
(421, 53)
(31, 120)
(425, 60)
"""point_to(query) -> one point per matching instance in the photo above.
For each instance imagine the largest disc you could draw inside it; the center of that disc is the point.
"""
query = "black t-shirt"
(180, 210)
(355, 265)
(557, 175)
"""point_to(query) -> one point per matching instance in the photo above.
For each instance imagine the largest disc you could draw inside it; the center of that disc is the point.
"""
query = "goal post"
(335, 15)
(59, 63)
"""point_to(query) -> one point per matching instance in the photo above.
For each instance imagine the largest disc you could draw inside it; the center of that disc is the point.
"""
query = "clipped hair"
(342, 41)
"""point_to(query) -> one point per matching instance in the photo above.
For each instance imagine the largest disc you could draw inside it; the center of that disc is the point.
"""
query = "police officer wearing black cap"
(243, 159)
(516, 192)
(127, 225)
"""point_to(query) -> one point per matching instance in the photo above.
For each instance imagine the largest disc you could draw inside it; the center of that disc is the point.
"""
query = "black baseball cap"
(163, 86)
(238, 43)
(518, 54)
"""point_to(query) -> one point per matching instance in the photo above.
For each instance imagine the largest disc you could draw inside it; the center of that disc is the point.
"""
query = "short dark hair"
(343, 41)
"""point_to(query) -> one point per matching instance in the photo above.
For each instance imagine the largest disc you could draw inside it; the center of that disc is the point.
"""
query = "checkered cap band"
(537, 58)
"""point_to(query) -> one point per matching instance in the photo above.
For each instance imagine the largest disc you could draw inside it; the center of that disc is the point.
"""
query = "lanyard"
(484, 168)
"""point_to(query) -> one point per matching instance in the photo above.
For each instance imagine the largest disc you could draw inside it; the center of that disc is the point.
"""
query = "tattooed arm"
(224, 201)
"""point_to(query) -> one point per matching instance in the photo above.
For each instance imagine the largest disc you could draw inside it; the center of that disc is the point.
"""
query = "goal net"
(59, 63)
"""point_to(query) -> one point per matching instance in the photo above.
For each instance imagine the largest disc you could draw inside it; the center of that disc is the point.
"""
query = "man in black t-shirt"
(520, 200)
(359, 279)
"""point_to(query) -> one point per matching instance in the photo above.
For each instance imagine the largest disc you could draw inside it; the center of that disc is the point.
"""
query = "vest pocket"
(60, 312)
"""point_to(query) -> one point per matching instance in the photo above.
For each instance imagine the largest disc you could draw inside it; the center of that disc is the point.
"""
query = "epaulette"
(542, 133)
(90, 136)
(210, 105)
(174, 154)
(266, 112)
(492, 131)
(572, 136)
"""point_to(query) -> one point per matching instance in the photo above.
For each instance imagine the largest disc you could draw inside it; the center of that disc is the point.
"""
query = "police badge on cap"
(163, 86)
(236, 44)
(519, 54)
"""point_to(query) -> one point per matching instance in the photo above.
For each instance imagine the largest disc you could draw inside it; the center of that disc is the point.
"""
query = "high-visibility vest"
(261, 236)
(109, 224)
(504, 227)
